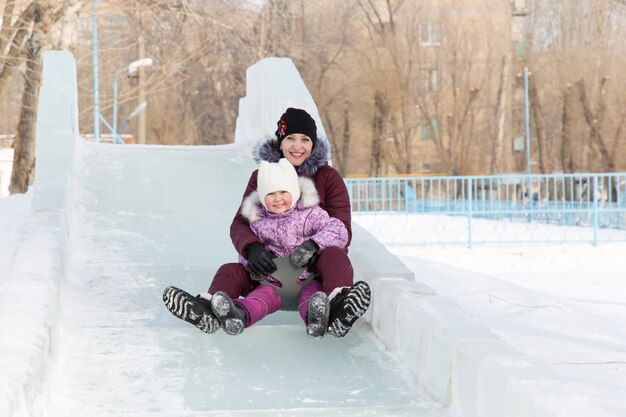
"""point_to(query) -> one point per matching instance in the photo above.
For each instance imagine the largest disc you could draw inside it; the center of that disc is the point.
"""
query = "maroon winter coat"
(332, 190)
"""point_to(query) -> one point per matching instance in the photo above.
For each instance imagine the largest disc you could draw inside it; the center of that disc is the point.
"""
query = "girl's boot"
(314, 308)
(232, 317)
(317, 315)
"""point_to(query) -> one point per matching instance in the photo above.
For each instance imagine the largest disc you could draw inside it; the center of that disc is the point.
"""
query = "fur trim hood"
(252, 209)
(267, 150)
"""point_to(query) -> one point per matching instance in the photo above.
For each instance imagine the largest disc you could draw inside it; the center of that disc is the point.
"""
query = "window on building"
(429, 130)
(430, 33)
(429, 80)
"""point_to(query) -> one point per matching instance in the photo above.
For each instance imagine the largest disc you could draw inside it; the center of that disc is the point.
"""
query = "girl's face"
(296, 148)
(278, 202)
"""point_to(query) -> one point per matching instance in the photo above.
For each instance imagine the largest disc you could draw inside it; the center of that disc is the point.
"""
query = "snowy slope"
(135, 230)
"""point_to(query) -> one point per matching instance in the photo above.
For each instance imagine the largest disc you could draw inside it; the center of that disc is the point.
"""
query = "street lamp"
(131, 69)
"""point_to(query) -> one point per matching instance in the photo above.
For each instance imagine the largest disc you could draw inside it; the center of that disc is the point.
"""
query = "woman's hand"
(260, 260)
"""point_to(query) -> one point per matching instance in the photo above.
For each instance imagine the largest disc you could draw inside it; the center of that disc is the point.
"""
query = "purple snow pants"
(333, 266)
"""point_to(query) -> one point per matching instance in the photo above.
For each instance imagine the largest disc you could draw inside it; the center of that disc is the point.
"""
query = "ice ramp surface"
(124, 222)
(143, 218)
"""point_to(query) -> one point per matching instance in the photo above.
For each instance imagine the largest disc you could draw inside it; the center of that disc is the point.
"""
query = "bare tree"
(15, 35)
(36, 23)
(323, 37)
(24, 146)
(198, 75)
(390, 102)
(390, 55)
(574, 60)
(379, 121)
(538, 117)
(567, 151)
(464, 65)
(500, 117)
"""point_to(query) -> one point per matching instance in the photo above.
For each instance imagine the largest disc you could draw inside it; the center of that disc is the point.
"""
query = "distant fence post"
(406, 196)
(595, 210)
(529, 196)
(470, 197)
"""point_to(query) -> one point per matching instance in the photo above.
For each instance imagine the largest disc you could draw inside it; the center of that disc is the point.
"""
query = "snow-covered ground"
(563, 304)
(13, 210)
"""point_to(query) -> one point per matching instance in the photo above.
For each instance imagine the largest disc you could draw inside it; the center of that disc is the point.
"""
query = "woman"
(296, 140)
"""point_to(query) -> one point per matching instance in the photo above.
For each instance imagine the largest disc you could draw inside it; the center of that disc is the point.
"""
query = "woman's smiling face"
(296, 148)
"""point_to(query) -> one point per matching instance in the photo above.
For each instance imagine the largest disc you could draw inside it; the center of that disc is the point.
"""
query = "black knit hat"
(296, 121)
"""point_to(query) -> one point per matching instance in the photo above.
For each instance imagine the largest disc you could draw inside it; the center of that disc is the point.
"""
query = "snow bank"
(6, 166)
(29, 300)
(459, 361)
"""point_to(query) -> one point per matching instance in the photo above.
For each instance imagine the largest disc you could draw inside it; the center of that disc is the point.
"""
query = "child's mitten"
(303, 253)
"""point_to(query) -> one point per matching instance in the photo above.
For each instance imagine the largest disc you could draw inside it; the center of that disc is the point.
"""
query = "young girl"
(285, 216)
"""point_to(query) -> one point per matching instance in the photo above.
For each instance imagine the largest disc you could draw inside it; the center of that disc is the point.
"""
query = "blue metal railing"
(596, 200)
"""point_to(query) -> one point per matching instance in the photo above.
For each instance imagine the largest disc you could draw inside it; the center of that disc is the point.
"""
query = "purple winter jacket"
(283, 233)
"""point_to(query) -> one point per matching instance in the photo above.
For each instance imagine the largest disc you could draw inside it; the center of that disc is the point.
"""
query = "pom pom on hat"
(279, 176)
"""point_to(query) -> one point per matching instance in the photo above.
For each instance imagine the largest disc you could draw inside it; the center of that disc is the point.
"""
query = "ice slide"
(120, 223)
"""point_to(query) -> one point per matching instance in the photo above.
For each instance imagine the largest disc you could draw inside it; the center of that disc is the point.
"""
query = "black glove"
(303, 253)
(255, 277)
(260, 261)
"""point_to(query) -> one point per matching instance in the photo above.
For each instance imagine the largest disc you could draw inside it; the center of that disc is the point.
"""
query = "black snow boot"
(195, 310)
(317, 316)
(232, 317)
(347, 306)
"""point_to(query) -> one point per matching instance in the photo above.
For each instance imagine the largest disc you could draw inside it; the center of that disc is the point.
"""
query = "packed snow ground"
(562, 304)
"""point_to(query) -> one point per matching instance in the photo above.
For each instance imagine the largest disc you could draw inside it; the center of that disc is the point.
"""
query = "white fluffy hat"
(280, 176)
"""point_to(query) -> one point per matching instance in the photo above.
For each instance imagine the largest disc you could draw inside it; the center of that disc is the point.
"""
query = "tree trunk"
(496, 163)
(7, 16)
(540, 129)
(398, 153)
(345, 140)
(594, 121)
(378, 130)
(567, 153)
(24, 153)
(15, 55)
